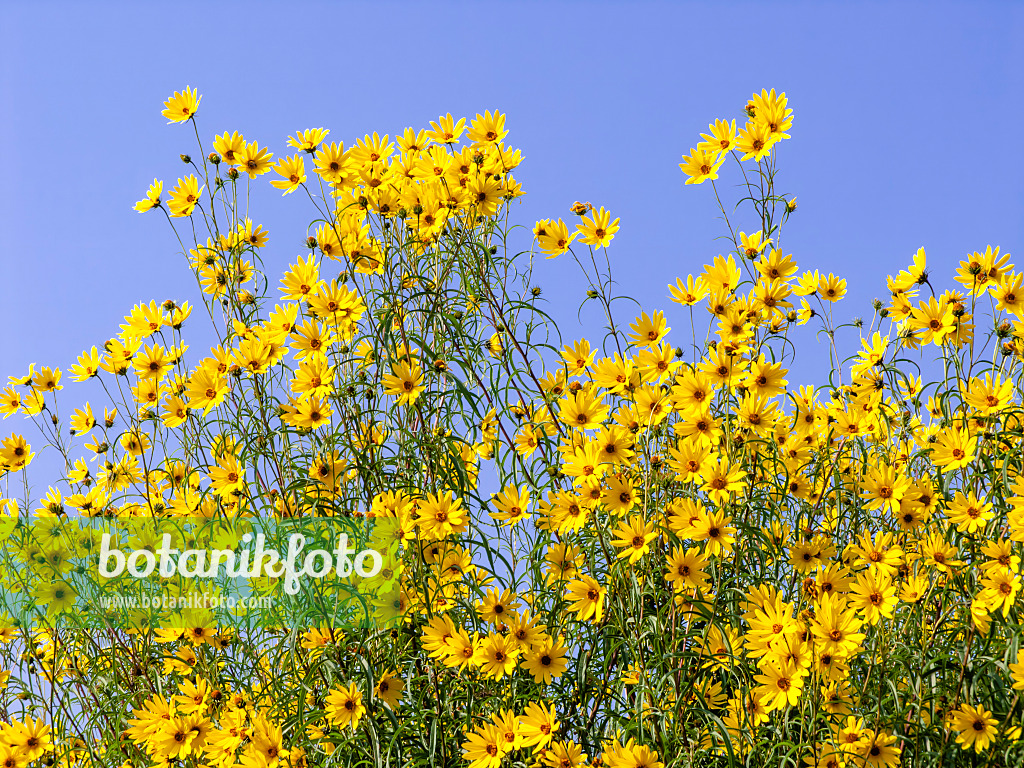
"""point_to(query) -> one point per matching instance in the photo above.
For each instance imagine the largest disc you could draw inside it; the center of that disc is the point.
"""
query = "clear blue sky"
(905, 132)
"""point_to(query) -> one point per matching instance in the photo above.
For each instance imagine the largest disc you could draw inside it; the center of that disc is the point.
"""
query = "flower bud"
(185, 159)
(791, 205)
(592, 294)
(535, 291)
(232, 173)
(214, 158)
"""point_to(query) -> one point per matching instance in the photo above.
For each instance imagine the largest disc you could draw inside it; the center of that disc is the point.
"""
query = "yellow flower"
(439, 516)
(953, 449)
(484, 747)
(780, 685)
(253, 160)
(969, 513)
(181, 106)
(932, 322)
(874, 595)
(293, 171)
(345, 706)
(497, 656)
(405, 382)
(721, 139)
(185, 197)
(686, 569)
(545, 660)
(831, 288)
(689, 293)
(648, 331)
(976, 726)
(487, 128)
(755, 141)
(537, 725)
(633, 537)
(152, 198)
(587, 598)
(553, 237)
(701, 165)
(599, 230)
(308, 140)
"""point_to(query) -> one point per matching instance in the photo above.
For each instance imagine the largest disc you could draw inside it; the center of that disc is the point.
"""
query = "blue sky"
(905, 127)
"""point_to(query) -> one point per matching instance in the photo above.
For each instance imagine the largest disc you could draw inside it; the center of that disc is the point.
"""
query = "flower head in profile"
(308, 140)
(293, 173)
(152, 198)
(182, 106)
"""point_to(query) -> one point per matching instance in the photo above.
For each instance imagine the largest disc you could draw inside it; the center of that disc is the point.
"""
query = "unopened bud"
(185, 159)
(214, 158)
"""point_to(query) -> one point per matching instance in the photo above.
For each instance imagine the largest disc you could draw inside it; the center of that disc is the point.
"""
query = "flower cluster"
(648, 550)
